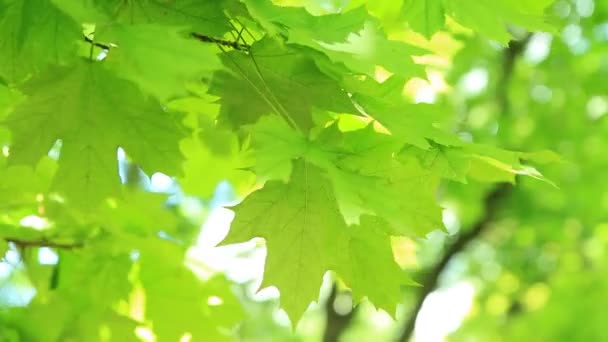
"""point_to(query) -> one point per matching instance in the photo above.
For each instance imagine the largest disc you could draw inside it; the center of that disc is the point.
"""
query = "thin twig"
(23, 243)
(94, 43)
(222, 42)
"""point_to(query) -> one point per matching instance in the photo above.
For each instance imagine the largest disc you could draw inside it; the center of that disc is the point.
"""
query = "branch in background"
(492, 200)
(22, 243)
(510, 55)
(335, 323)
(492, 203)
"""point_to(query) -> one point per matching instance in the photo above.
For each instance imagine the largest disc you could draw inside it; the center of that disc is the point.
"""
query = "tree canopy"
(367, 155)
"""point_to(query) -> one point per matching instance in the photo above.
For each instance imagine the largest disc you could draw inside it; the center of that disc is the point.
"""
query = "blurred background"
(521, 263)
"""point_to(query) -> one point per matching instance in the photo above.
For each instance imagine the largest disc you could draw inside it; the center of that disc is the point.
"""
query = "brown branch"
(510, 55)
(492, 201)
(335, 323)
(23, 243)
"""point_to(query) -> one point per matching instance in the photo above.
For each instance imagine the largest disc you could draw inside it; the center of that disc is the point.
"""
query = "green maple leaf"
(370, 262)
(157, 58)
(203, 170)
(101, 263)
(90, 281)
(491, 164)
(140, 213)
(409, 123)
(369, 177)
(275, 79)
(306, 236)
(275, 145)
(34, 34)
(369, 48)
(303, 229)
(450, 163)
(387, 11)
(491, 18)
(206, 17)
(424, 16)
(60, 318)
(101, 113)
(402, 192)
(363, 172)
(214, 153)
(352, 38)
(172, 288)
(301, 26)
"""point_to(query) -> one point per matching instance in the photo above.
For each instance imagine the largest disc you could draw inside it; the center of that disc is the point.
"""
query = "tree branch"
(335, 323)
(510, 55)
(492, 201)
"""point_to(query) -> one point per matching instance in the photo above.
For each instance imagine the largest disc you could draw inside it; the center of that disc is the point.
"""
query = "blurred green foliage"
(372, 122)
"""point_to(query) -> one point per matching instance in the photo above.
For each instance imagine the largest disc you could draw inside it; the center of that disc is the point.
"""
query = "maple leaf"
(305, 230)
(400, 191)
(301, 26)
(275, 79)
(370, 262)
(491, 18)
(215, 153)
(139, 213)
(369, 48)
(450, 162)
(203, 16)
(275, 146)
(362, 169)
(159, 60)
(424, 16)
(204, 170)
(409, 123)
(93, 112)
(170, 287)
(352, 38)
(34, 34)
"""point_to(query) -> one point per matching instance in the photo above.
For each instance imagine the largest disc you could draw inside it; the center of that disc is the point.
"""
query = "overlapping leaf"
(275, 79)
(491, 18)
(93, 112)
(424, 16)
(158, 59)
(353, 38)
(76, 304)
(171, 288)
(34, 34)
(304, 229)
(205, 17)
